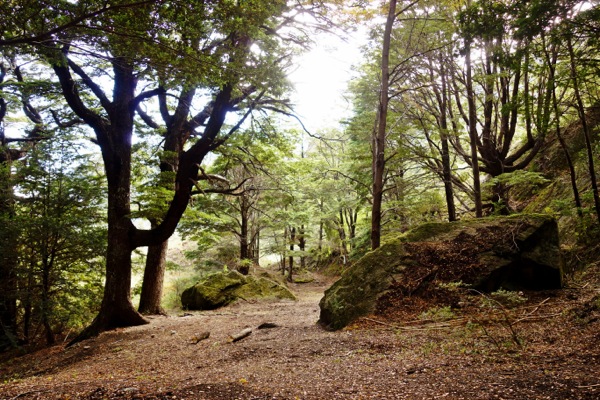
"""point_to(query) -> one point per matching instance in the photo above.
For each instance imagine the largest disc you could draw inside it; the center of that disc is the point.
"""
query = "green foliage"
(62, 238)
(438, 314)
(518, 179)
(174, 289)
(503, 298)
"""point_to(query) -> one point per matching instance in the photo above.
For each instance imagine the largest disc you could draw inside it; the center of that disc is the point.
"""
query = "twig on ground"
(423, 327)
(588, 386)
(29, 392)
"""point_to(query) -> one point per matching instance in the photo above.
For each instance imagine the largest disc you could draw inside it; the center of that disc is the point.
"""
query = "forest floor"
(545, 348)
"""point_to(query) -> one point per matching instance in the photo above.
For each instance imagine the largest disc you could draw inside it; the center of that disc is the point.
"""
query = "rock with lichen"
(223, 288)
(512, 253)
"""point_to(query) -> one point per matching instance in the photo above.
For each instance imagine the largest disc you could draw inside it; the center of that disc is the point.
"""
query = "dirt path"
(298, 360)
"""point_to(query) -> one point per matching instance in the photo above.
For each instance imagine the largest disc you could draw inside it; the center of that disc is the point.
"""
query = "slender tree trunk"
(254, 245)
(302, 246)
(28, 304)
(244, 216)
(342, 234)
(573, 175)
(379, 140)
(585, 128)
(154, 276)
(290, 277)
(8, 259)
(45, 307)
(446, 165)
(473, 134)
(284, 251)
(321, 227)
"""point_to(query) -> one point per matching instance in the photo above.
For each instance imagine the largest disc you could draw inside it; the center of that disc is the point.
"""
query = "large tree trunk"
(156, 260)
(115, 139)
(379, 139)
(154, 276)
(116, 309)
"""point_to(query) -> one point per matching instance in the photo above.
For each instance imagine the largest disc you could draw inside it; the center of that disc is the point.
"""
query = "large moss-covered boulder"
(223, 288)
(516, 252)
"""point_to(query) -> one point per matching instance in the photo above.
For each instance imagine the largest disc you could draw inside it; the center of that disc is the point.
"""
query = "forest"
(147, 144)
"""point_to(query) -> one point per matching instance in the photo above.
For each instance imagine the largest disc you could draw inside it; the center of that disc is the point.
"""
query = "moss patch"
(223, 288)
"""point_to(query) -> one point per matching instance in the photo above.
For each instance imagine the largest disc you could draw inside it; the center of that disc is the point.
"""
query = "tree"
(512, 98)
(232, 80)
(378, 146)
(62, 239)
(12, 96)
(581, 112)
(421, 95)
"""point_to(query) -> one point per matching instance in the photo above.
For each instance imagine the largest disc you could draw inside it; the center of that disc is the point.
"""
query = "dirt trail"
(298, 360)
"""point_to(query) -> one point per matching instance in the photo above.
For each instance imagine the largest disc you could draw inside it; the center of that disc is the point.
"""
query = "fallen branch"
(538, 306)
(588, 386)
(536, 317)
(241, 335)
(199, 337)
(424, 327)
(29, 392)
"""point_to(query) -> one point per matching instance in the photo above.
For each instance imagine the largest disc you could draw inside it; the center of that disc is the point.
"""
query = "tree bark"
(342, 234)
(154, 275)
(302, 246)
(380, 134)
(244, 217)
(290, 277)
(114, 134)
(116, 309)
(446, 165)
(473, 133)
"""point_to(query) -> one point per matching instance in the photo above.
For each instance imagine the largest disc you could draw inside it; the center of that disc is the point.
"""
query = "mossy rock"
(223, 288)
(515, 252)
(260, 287)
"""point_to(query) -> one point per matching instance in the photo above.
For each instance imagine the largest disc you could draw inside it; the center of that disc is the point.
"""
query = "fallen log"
(240, 335)
(199, 337)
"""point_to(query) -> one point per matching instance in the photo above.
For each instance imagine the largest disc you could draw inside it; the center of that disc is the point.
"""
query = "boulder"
(223, 288)
(515, 252)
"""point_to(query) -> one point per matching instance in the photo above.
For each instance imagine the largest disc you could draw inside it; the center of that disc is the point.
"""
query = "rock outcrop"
(223, 288)
(515, 252)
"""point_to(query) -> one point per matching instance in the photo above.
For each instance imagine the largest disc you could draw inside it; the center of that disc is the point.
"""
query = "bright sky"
(321, 80)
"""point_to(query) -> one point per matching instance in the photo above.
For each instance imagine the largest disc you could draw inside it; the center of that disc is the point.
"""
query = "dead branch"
(240, 335)
(199, 337)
